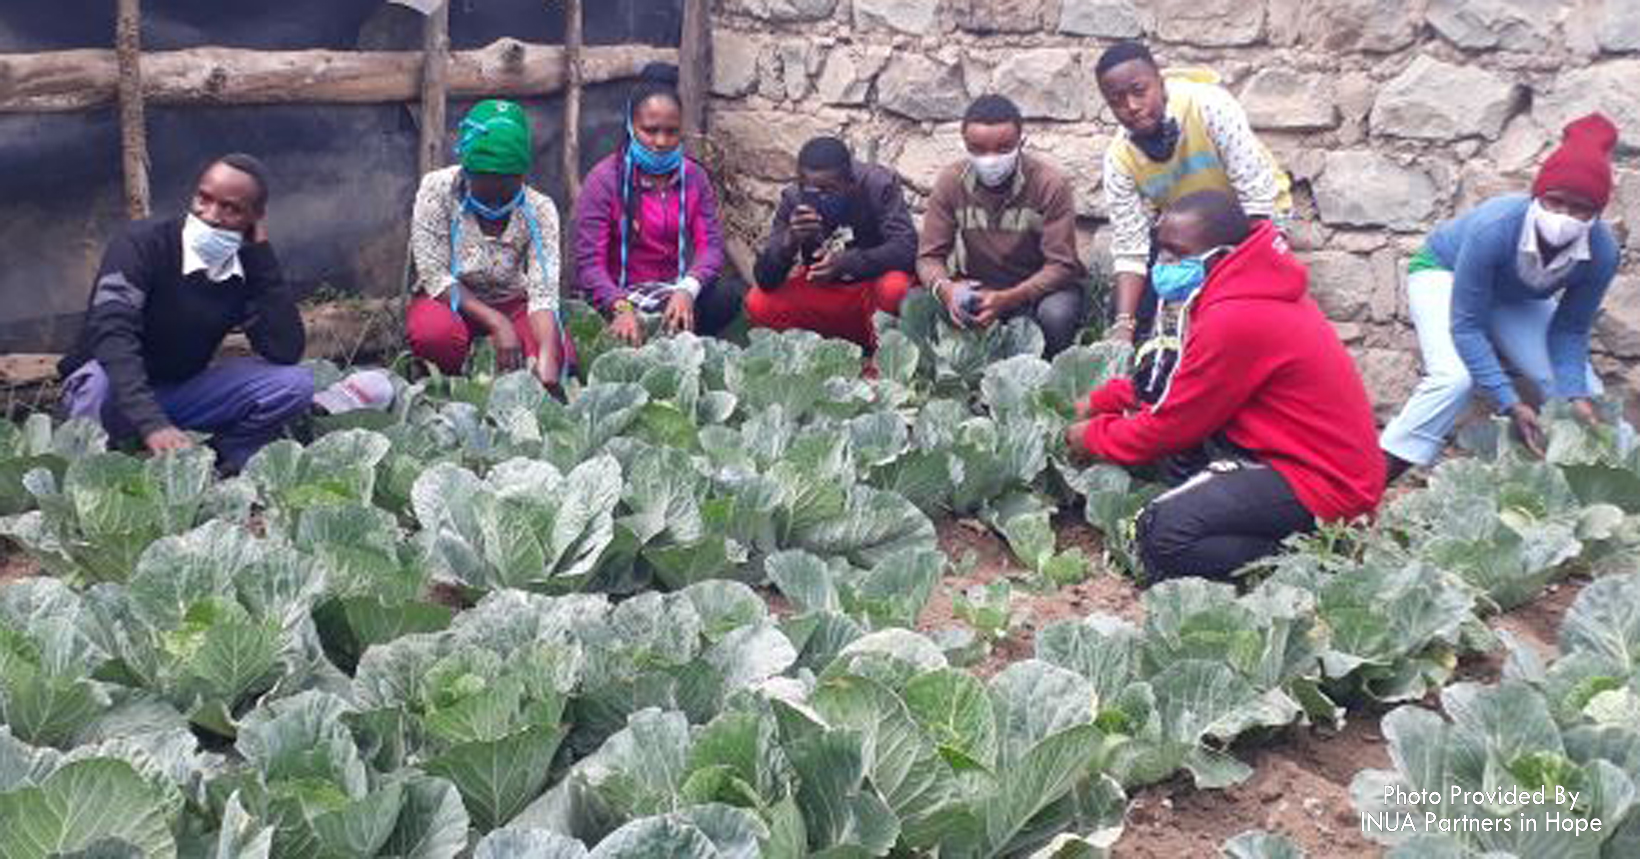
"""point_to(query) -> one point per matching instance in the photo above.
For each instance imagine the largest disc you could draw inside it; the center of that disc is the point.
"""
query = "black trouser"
(718, 304)
(1227, 515)
(1060, 316)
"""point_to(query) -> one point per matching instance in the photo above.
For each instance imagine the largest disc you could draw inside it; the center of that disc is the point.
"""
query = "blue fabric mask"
(648, 160)
(641, 158)
(832, 207)
(498, 213)
(1177, 281)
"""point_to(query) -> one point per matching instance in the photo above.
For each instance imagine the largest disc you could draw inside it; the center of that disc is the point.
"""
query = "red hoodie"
(1262, 364)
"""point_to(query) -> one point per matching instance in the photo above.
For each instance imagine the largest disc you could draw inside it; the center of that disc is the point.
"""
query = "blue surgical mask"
(215, 246)
(488, 213)
(648, 160)
(1177, 281)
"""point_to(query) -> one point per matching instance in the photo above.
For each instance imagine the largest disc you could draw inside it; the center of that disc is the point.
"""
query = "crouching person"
(167, 293)
(1265, 399)
(486, 252)
(842, 248)
(1520, 278)
(999, 237)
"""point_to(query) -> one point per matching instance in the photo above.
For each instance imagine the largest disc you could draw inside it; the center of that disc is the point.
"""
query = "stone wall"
(1389, 114)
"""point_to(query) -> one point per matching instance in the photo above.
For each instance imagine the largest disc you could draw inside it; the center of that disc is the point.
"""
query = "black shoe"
(1395, 467)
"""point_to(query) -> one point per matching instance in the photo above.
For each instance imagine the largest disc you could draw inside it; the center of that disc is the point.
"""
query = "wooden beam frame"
(66, 81)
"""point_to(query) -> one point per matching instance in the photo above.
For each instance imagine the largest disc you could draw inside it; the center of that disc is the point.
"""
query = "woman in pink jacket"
(647, 236)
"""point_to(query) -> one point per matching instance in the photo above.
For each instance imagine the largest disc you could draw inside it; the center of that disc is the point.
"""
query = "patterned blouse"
(496, 269)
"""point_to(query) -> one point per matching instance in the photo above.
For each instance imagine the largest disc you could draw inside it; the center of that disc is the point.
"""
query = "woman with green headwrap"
(486, 251)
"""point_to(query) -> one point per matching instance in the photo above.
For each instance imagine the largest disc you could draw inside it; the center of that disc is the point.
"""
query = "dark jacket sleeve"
(898, 251)
(274, 325)
(775, 262)
(114, 330)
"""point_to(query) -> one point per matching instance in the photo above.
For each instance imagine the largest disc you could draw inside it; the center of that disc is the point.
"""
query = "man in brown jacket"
(999, 236)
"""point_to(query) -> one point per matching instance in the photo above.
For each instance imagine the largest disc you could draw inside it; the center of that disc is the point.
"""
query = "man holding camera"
(999, 236)
(841, 248)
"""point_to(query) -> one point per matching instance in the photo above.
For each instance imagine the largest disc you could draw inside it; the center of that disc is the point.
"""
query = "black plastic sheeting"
(343, 176)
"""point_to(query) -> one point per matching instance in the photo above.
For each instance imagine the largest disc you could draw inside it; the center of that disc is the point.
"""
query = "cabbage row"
(495, 624)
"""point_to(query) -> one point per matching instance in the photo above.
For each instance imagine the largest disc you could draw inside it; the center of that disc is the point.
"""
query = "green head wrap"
(495, 138)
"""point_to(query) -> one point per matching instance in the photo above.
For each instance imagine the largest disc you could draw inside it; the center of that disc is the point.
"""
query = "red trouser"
(442, 336)
(828, 309)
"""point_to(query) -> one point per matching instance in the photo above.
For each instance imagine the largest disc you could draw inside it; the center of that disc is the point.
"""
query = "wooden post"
(573, 38)
(434, 88)
(574, 74)
(695, 65)
(133, 126)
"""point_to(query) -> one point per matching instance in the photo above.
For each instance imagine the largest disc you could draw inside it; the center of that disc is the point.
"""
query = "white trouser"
(1520, 333)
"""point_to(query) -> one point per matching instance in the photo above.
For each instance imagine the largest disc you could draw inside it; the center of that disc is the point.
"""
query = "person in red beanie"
(1521, 277)
(842, 247)
(1265, 402)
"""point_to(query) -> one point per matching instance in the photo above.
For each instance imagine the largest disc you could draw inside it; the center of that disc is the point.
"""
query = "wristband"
(621, 306)
(689, 285)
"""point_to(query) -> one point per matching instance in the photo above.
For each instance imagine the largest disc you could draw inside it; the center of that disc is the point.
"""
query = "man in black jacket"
(842, 248)
(168, 291)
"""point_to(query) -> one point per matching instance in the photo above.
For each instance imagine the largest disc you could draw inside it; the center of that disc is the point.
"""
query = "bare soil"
(14, 564)
(1535, 625)
(1102, 592)
(1538, 622)
(1300, 788)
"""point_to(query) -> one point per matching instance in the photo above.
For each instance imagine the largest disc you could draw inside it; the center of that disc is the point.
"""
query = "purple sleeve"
(595, 229)
(705, 230)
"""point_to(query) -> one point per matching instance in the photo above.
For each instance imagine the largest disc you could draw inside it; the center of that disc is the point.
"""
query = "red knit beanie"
(1583, 163)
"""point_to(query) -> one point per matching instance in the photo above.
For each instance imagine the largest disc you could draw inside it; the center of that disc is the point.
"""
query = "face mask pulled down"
(995, 170)
(650, 161)
(1158, 146)
(216, 247)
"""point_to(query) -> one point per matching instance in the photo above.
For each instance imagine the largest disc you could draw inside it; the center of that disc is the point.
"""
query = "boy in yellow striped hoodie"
(1182, 132)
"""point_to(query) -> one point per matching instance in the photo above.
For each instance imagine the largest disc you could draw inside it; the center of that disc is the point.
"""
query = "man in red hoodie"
(1263, 384)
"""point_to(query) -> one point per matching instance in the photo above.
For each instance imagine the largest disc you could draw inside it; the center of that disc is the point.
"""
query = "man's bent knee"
(1060, 317)
(286, 392)
(1164, 541)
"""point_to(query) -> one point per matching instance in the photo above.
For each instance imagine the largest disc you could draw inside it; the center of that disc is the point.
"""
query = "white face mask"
(994, 170)
(216, 247)
(1556, 229)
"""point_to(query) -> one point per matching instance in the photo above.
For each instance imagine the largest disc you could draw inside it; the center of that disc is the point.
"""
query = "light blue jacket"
(1480, 248)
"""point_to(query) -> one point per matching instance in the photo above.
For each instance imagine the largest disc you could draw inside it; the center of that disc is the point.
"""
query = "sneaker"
(367, 389)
